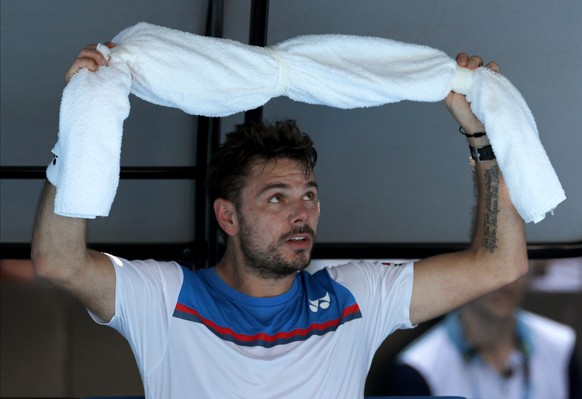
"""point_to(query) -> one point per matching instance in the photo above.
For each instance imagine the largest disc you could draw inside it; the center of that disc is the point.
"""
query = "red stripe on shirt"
(265, 337)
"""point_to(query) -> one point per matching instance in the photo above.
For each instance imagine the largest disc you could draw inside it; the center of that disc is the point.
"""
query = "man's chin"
(301, 259)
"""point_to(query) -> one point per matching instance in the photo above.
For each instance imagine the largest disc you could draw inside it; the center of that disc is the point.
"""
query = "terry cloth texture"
(219, 77)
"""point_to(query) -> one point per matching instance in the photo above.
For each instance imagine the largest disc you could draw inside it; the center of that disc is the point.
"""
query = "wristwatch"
(482, 154)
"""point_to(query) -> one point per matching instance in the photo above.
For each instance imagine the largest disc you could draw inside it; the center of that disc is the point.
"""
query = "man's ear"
(226, 216)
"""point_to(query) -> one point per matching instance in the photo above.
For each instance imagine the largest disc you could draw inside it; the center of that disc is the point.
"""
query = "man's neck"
(232, 270)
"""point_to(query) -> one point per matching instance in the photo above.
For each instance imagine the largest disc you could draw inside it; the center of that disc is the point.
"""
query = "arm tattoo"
(489, 240)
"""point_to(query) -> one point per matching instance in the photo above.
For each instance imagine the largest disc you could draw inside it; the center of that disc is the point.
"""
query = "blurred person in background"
(490, 348)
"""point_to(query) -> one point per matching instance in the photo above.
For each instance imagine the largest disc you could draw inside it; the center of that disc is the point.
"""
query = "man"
(256, 325)
(490, 348)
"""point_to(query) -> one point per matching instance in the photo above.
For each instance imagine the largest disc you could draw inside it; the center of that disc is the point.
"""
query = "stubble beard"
(269, 263)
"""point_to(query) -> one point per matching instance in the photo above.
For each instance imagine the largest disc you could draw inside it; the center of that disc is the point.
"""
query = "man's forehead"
(280, 167)
(281, 173)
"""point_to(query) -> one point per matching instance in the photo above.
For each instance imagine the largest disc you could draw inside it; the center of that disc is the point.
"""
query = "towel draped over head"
(219, 77)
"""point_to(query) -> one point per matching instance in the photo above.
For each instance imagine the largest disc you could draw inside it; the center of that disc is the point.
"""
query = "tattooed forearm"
(489, 240)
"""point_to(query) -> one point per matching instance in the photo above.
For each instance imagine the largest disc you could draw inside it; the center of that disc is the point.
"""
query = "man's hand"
(88, 58)
(458, 105)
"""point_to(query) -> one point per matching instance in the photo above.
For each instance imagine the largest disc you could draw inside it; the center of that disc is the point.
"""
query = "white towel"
(219, 77)
(89, 145)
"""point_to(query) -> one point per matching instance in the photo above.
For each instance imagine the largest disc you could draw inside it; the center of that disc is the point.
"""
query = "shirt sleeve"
(383, 292)
(145, 296)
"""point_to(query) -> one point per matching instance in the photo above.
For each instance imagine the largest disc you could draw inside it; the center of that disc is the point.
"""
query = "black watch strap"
(482, 154)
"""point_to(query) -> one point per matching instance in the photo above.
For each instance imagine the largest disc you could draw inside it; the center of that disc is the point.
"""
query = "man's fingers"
(493, 66)
(462, 59)
(88, 58)
(474, 62)
(471, 62)
(92, 53)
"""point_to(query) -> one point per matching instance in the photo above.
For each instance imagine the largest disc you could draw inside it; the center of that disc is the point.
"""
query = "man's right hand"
(88, 58)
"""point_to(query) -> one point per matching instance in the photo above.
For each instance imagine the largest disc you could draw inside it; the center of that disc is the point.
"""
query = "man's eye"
(309, 197)
(275, 199)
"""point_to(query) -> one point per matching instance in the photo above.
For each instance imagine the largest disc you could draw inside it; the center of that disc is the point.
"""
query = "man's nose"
(300, 212)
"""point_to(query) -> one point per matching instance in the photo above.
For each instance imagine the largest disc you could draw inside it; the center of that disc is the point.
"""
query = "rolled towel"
(87, 154)
(219, 77)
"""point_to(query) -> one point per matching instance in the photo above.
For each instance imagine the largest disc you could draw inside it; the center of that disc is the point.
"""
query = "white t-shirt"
(194, 336)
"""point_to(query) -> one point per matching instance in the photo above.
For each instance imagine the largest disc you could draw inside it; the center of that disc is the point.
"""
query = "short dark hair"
(250, 143)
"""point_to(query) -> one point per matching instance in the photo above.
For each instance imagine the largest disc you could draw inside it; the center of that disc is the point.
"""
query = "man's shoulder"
(367, 266)
(546, 328)
(166, 272)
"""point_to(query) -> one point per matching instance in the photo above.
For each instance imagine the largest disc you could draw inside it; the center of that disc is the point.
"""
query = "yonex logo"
(321, 303)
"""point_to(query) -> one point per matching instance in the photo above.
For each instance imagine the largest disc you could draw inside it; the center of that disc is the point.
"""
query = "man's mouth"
(300, 241)
(303, 234)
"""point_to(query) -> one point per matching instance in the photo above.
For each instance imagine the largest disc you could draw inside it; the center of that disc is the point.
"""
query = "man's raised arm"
(60, 255)
(59, 244)
(497, 255)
